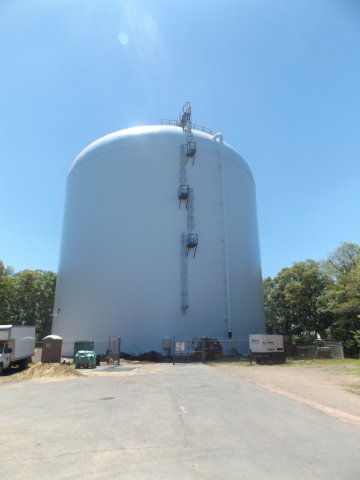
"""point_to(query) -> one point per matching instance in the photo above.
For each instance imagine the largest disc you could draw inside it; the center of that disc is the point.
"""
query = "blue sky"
(279, 78)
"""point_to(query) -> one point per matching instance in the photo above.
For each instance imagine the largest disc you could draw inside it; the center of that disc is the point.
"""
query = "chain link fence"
(202, 349)
(107, 349)
(206, 349)
(322, 349)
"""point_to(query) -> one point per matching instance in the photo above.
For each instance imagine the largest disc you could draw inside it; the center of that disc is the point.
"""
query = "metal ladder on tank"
(184, 275)
(189, 240)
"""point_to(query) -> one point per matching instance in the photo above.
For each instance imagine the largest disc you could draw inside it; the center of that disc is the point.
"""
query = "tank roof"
(167, 133)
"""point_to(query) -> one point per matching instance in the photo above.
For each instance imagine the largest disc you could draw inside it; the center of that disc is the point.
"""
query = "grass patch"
(334, 365)
(355, 388)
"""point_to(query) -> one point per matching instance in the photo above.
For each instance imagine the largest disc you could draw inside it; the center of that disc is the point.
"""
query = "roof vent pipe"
(218, 137)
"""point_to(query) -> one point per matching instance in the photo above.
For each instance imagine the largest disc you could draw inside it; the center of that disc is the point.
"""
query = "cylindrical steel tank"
(160, 239)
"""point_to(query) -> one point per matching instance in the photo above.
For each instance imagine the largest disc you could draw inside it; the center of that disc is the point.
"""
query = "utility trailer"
(17, 345)
(267, 349)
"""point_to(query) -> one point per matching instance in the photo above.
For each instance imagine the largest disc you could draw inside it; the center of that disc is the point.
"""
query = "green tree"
(35, 291)
(341, 261)
(318, 297)
(342, 300)
(291, 300)
(7, 294)
(45, 304)
(27, 298)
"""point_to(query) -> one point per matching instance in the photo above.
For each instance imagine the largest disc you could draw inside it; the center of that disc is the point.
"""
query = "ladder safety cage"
(189, 240)
(183, 193)
(190, 209)
(190, 150)
(192, 242)
(185, 117)
(184, 274)
(183, 163)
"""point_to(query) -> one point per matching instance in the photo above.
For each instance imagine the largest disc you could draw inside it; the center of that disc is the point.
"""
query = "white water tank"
(158, 241)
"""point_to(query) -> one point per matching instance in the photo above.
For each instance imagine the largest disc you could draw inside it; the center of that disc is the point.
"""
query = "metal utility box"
(267, 348)
(51, 349)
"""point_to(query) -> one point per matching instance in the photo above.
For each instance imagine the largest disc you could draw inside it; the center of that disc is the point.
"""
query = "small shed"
(51, 349)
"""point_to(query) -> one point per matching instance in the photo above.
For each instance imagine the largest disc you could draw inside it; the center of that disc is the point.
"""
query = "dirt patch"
(331, 389)
(44, 370)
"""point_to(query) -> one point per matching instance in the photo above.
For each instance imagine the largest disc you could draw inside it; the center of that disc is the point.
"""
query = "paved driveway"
(168, 422)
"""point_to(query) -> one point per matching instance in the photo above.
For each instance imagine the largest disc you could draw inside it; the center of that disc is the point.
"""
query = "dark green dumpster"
(85, 359)
(83, 345)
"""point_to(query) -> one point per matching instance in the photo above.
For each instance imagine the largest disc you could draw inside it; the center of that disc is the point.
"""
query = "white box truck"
(17, 344)
(267, 348)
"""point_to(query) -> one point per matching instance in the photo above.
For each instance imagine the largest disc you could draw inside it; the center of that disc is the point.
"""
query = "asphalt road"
(168, 422)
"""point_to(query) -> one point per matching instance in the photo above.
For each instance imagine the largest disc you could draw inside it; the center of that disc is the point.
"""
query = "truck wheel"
(1, 369)
(24, 364)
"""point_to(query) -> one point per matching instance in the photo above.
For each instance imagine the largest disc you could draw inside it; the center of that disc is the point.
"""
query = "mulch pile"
(43, 370)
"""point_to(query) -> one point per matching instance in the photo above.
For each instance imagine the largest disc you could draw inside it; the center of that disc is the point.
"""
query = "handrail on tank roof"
(194, 126)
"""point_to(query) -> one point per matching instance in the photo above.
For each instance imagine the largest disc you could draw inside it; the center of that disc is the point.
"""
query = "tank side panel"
(245, 278)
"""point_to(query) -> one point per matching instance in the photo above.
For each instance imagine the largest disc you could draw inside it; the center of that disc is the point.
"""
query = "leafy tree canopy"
(291, 299)
(313, 297)
(27, 298)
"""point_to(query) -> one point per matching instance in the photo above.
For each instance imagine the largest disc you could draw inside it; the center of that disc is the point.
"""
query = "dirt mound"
(46, 370)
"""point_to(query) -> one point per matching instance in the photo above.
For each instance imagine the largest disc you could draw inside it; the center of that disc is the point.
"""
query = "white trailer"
(17, 344)
(267, 348)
